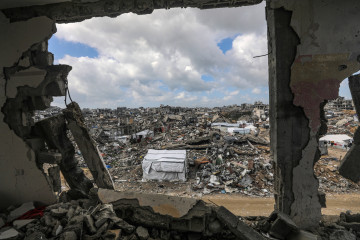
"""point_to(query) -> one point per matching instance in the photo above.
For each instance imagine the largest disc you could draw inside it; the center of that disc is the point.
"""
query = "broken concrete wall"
(76, 11)
(327, 53)
(21, 180)
(28, 81)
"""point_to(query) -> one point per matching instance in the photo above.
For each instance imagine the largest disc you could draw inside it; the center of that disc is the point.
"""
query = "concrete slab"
(167, 205)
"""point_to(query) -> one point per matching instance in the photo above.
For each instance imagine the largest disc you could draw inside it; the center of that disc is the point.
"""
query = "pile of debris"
(280, 226)
(95, 218)
(327, 172)
(114, 215)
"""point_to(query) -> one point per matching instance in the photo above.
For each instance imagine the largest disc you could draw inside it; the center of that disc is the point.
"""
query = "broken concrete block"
(70, 213)
(142, 233)
(215, 227)
(21, 223)
(9, 234)
(87, 146)
(342, 235)
(352, 217)
(283, 226)
(71, 235)
(89, 223)
(48, 220)
(48, 157)
(54, 176)
(350, 166)
(353, 225)
(36, 236)
(322, 199)
(128, 228)
(227, 217)
(31, 77)
(54, 131)
(75, 225)
(58, 213)
(304, 235)
(24, 62)
(237, 227)
(25, 207)
(57, 229)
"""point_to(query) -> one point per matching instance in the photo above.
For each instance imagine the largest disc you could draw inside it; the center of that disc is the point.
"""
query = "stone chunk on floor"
(283, 227)
(142, 233)
(237, 227)
(9, 234)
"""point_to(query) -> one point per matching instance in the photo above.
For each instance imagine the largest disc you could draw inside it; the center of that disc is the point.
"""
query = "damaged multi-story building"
(312, 46)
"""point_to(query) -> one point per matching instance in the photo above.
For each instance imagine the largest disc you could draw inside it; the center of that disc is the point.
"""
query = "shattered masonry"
(305, 70)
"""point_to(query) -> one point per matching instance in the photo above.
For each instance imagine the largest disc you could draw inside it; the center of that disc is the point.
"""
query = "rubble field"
(227, 149)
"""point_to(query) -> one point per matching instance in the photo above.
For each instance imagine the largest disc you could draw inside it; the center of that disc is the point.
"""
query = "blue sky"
(155, 59)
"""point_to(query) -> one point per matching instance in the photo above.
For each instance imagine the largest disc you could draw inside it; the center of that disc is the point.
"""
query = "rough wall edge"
(67, 12)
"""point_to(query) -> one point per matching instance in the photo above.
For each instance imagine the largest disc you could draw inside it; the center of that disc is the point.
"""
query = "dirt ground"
(336, 152)
(250, 206)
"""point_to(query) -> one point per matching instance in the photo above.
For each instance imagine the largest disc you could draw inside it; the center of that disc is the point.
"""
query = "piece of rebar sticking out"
(350, 166)
(87, 146)
(53, 130)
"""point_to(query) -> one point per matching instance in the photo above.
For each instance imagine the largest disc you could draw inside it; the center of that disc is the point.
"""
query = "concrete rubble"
(109, 214)
(126, 218)
(228, 148)
(220, 160)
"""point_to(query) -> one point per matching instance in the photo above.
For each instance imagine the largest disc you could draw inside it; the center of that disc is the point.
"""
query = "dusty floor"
(250, 206)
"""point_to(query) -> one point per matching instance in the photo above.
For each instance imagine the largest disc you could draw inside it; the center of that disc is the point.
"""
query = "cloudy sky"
(179, 57)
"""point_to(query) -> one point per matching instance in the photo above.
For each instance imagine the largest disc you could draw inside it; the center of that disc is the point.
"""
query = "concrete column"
(290, 132)
(306, 68)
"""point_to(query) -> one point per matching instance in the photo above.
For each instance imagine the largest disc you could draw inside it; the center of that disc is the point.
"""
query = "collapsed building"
(306, 67)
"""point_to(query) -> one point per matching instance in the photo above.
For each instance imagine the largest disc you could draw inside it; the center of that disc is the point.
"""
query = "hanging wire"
(67, 92)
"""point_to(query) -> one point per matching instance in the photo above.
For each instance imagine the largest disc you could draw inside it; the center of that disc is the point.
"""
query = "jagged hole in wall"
(339, 122)
(222, 122)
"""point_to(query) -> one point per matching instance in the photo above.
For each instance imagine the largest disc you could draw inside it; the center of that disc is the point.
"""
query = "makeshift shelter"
(337, 140)
(165, 165)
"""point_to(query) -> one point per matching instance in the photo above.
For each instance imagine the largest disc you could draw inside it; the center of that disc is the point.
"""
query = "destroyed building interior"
(313, 45)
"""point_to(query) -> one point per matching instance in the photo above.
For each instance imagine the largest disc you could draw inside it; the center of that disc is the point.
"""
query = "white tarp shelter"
(239, 130)
(165, 165)
(337, 140)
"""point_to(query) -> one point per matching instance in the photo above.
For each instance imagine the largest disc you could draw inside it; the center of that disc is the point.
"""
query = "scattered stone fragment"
(89, 223)
(36, 236)
(342, 235)
(58, 213)
(283, 226)
(21, 223)
(9, 234)
(25, 207)
(142, 233)
(71, 235)
(239, 228)
(352, 225)
(215, 226)
(304, 235)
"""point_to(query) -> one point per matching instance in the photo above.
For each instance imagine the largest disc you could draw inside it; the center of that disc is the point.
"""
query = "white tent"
(337, 140)
(169, 165)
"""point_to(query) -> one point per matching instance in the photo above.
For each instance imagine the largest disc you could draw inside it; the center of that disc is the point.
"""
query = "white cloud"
(256, 91)
(160, 58)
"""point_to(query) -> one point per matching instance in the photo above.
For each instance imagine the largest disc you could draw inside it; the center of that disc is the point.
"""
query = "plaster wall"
(327, 53)
(20, 179)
